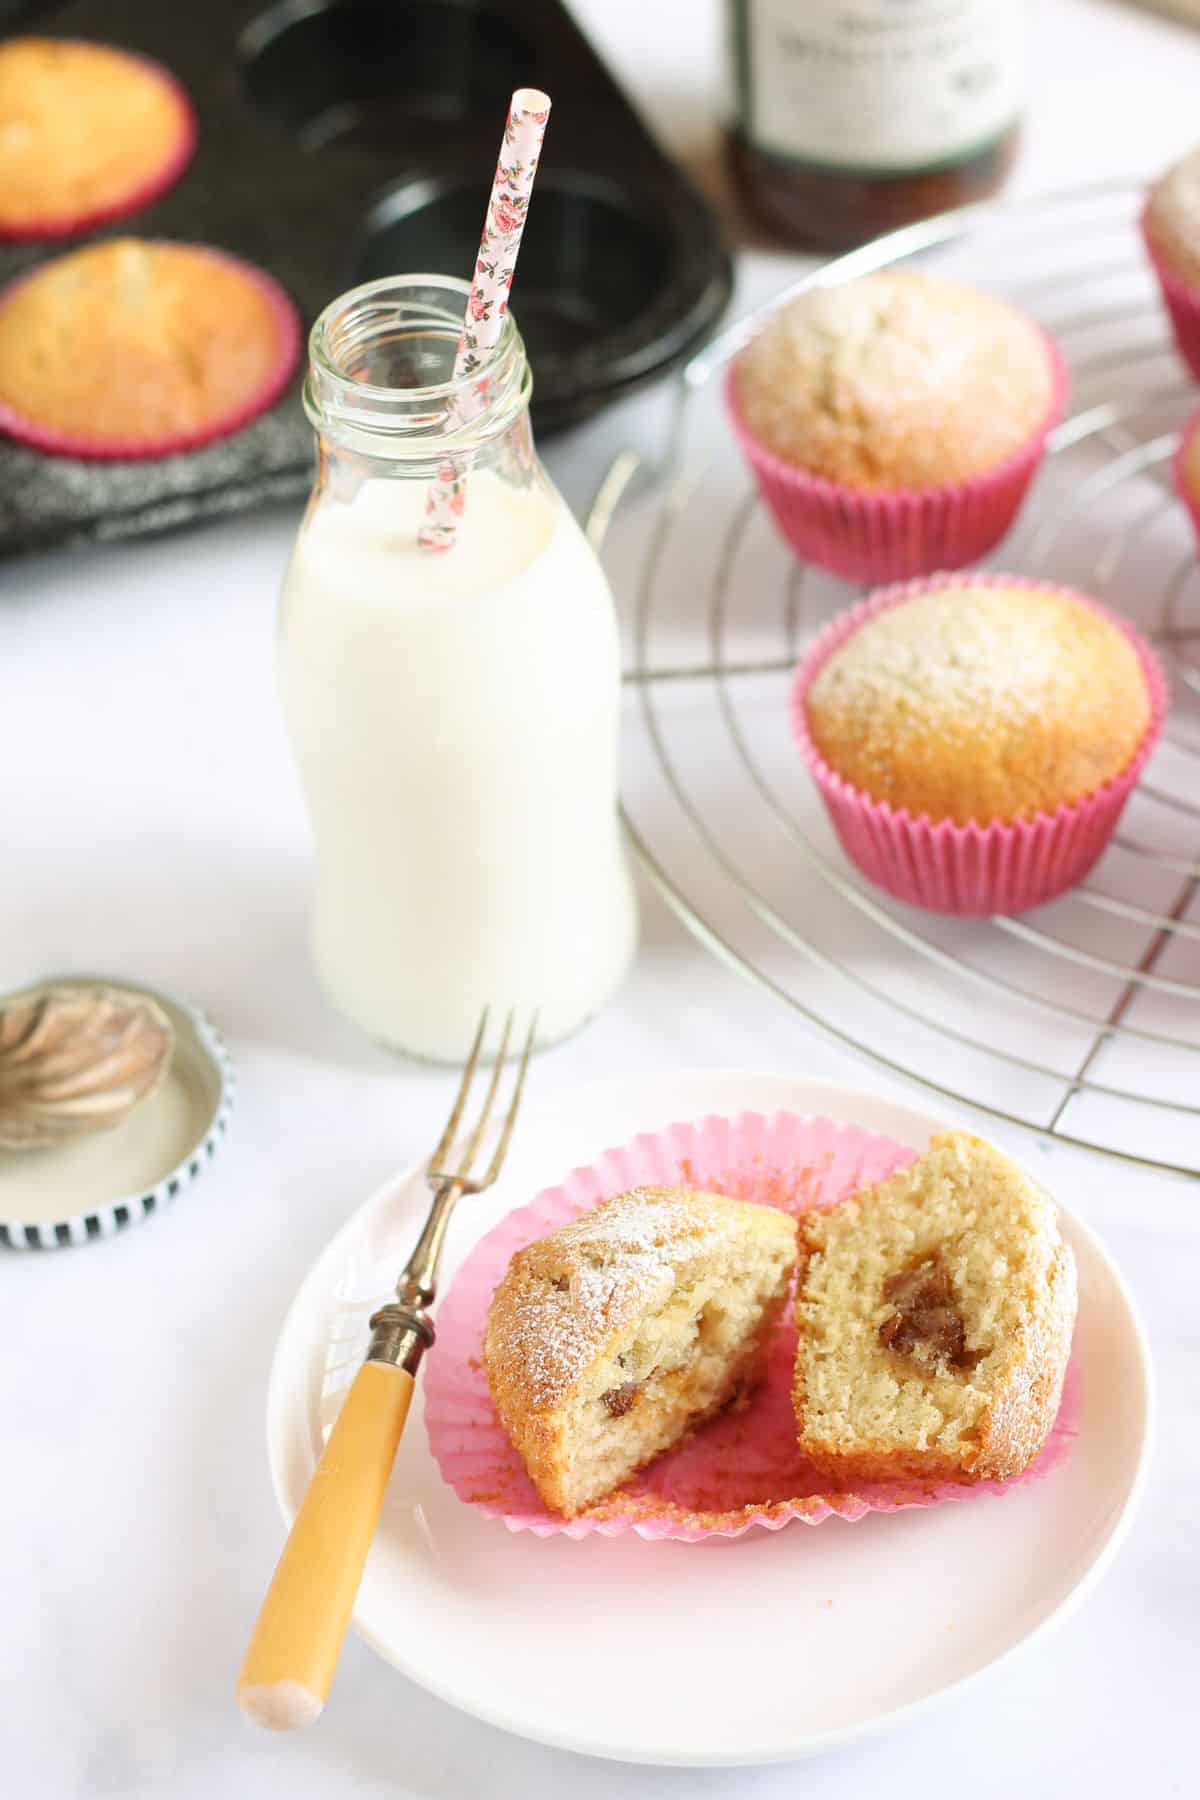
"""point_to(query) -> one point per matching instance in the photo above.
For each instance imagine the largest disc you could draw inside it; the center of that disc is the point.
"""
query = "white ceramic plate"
(756, 1650)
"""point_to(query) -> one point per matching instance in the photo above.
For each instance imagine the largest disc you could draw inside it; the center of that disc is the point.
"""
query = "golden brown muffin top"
(135, 341)
(980, 701)
(900, 380)
(82, 127)
(1173, 217)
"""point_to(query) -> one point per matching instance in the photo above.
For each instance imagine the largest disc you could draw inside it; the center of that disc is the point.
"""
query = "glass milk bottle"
(453, 713)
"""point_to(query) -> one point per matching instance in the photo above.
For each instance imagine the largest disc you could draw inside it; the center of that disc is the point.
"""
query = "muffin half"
(612, 1339)
(934, 1314)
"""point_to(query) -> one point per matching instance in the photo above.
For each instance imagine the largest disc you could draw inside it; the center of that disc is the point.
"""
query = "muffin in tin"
(133, 348)
(90, 133)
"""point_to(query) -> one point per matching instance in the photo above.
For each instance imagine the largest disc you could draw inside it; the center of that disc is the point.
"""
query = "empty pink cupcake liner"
(1184, 485)
(133, 199)
(286, 322)
(875, 536)
(1182, 302)
(744, 1469)
(970, 869)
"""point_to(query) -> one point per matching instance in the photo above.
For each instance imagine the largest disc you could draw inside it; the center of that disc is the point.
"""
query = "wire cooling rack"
(1081, 1020)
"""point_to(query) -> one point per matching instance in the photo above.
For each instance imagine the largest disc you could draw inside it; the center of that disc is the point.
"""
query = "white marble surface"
(152, 827)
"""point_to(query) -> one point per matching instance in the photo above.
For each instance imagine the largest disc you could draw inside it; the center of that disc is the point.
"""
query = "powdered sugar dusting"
(645, 1222)
(980, 698)
(564, 1294)
(954, 652)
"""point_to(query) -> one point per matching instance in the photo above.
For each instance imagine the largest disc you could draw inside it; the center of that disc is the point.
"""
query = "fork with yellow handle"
(294, 1649)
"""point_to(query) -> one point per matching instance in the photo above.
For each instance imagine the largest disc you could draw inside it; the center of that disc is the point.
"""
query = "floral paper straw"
(487, 303)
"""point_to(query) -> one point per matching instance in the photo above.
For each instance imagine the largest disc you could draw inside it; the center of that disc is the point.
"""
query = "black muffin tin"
(357, 138)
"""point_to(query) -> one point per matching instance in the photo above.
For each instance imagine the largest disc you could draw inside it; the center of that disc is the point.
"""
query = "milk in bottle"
(453, 714)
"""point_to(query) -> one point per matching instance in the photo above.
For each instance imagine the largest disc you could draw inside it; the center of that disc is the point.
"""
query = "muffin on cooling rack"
(613, 1338)
(131, 348)
(894, 423)
(934, 1315)
(1171, 230)
(87, 133)
(974, 738)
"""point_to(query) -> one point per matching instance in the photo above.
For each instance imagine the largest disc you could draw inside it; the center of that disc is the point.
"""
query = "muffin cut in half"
(934, 1314)
(611, 1339)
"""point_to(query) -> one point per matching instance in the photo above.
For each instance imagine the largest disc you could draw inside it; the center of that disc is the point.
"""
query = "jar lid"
(95, 1185)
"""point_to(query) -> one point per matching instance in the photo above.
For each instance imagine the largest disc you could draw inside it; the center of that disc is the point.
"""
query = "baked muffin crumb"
(934, 1314)
(612, 1338)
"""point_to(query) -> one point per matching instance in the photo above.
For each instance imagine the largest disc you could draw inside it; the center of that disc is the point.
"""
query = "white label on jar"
(888, 85)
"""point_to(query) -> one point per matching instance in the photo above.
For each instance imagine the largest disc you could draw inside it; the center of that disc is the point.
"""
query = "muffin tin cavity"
(592, 267)
(373, 74)
(26, 15)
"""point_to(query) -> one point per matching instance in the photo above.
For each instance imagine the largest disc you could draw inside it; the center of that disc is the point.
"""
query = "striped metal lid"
(95, 1185)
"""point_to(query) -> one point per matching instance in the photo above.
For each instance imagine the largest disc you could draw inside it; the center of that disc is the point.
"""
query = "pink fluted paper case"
(971, 870)
(1182, 302)
(743, 1470)
(872, 535)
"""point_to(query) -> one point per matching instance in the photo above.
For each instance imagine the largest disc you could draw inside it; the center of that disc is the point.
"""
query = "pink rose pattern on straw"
(487, 303)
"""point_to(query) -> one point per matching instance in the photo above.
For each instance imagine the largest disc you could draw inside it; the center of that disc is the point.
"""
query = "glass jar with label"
(853, 117)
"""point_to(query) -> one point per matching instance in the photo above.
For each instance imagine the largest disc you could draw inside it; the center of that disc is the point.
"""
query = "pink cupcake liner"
(868, 535)
(971, 870)
(744, 1469)
(288, 337)
(134, 199)
(1182, 302)
(1185, 487)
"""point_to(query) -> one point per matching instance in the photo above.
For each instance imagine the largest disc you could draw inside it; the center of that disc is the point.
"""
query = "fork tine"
(446, 1141)
(501, 1151)
(467, 1160)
